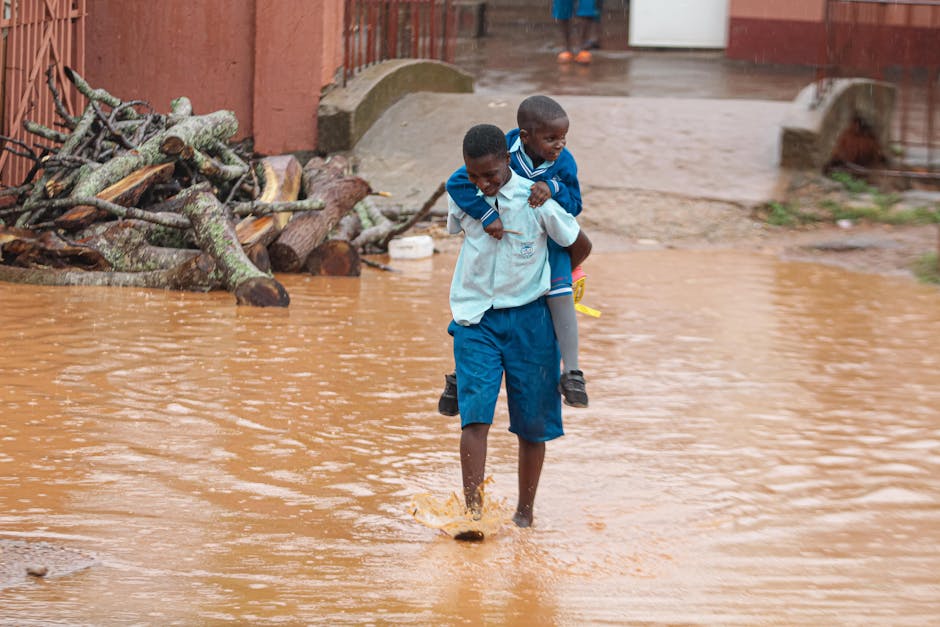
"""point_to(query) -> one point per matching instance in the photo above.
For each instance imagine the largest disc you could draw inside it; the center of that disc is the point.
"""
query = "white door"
(679, 23)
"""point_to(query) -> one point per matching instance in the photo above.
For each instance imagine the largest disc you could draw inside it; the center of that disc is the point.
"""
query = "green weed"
(784, 214)
(881, 212)
(927, 269)
(852, 184)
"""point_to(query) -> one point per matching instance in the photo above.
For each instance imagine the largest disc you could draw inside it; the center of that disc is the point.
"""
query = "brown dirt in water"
(22, 561)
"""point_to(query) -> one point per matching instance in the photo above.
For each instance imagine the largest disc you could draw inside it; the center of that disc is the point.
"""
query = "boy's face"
(489, 172)
(547, 140)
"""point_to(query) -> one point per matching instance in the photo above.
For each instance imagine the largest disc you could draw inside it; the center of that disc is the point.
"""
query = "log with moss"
(324, 180)
(135, 198)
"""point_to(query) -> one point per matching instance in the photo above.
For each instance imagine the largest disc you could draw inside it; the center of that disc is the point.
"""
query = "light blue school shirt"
(513, 271)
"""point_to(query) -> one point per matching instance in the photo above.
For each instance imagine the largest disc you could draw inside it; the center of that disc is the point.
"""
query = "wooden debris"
(126, 192)
(122, 195)
(326, 180)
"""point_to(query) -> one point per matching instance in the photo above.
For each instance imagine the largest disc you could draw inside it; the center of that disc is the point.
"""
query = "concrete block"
(812, 127)
(346, 113)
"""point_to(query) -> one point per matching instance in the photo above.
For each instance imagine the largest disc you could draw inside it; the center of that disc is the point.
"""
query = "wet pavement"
(670, 145)
(518, 55)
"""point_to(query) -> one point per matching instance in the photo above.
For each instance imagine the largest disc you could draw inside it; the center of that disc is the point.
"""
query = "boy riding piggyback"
(536, 152)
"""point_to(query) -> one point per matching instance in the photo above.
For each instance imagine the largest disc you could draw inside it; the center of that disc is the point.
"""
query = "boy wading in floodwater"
(502, 323)
(536, 152)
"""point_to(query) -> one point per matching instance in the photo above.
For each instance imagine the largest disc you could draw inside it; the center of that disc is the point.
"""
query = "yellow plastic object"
(578, 290)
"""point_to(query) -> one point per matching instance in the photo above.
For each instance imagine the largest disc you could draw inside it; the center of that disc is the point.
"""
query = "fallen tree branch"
(261, 208)
(172, 220)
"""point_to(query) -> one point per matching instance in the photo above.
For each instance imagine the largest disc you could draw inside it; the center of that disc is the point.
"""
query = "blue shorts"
(520, 343)
(559, 261)
(563, 9)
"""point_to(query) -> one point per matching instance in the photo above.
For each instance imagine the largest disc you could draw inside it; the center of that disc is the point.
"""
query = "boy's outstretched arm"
(580, 249)
(465, 195)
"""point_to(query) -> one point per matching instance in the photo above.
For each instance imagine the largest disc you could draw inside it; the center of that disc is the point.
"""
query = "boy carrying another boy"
(536, 152)
(501, 322)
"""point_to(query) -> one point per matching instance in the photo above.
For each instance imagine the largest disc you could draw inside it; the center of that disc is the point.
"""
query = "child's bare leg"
(565, 33)
(566, 55)
(473, 463)
(566, 329)
(531, 457)
(587, 23)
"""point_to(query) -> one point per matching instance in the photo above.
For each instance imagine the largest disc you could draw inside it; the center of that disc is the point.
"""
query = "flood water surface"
(763, 444)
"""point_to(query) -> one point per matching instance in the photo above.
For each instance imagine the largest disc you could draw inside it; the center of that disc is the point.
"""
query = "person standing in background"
(589, 15)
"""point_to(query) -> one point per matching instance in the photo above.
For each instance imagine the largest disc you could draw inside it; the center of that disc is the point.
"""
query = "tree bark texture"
(216, 236)
(324, 180)
(282, 177)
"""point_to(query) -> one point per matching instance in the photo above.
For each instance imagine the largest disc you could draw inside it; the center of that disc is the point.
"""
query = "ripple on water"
(762, 441)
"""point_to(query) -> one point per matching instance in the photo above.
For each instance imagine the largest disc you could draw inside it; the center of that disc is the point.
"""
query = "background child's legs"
(562, 10)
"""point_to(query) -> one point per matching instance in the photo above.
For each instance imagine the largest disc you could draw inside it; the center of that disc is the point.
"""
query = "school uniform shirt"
(561, 176)
(513, 271)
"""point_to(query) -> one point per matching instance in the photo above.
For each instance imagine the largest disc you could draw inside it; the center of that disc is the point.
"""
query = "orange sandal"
(565, 56)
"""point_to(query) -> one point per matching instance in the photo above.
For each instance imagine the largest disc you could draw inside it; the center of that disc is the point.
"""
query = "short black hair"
(484, 139)
(537, 110)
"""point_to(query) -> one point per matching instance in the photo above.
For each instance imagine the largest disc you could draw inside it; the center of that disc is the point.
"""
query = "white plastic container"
(415, 247)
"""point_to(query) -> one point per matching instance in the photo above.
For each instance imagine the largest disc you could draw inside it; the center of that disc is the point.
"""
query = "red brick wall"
(267, 60)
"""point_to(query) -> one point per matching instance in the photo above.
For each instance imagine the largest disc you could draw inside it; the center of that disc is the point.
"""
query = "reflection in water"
(763, 442)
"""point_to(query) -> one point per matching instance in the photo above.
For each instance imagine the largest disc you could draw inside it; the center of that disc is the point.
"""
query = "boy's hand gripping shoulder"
(539, 193)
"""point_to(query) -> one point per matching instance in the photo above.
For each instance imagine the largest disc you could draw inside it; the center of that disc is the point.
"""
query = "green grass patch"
(853, 184)
(881, 212)
(926, 269)
(784, 214)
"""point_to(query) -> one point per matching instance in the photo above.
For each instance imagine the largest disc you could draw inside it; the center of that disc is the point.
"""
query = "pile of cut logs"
(124, 196)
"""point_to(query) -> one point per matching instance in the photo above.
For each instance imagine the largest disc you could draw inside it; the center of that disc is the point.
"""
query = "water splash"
(451, 515)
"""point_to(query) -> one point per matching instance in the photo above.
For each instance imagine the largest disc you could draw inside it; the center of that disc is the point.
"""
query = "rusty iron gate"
(376, 30)
(37, 35)
(897, 41)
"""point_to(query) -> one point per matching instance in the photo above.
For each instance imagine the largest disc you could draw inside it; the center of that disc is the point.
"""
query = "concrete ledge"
(811, 131)
(345, 114)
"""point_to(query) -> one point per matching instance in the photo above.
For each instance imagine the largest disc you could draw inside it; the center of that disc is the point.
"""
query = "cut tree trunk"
(126, 192)
(190, 275)
(216, 236)
(337, 256)
(334, 257)
(282, 176)
(322, 180)
(50, 250)
(126, 246)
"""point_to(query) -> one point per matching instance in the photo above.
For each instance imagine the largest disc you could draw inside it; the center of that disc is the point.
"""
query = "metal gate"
(37, 35)
(376, 30)
(898, 42)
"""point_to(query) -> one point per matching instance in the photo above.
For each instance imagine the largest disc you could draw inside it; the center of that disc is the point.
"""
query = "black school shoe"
(572, 388)
(447, 404)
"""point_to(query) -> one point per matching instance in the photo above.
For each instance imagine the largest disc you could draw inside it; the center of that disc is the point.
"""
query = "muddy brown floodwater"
(763, 445)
